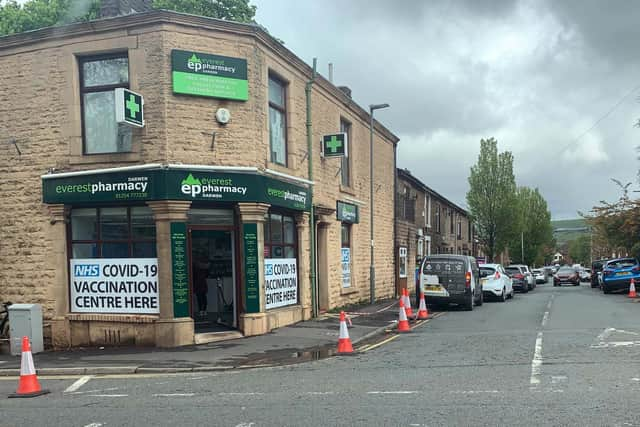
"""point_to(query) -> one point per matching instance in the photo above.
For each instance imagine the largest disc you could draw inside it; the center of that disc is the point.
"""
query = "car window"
(622, 263)
(512, 270)
(486, 271)
(566, 270)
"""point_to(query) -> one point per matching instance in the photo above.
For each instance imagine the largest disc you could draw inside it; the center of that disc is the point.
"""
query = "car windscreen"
(622, 263)
(512, 270)
(566, 270)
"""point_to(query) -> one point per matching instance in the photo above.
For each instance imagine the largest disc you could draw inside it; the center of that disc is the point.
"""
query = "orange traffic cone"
(632, 289)
(344, 342)
(423, 313)
(403, 323)
(28, 385)
(407, 303)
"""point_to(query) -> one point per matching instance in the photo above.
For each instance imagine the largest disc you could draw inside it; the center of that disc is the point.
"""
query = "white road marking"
(474, 391)
(536, 363)
(94, 425)
(545, 318)
(558, 379)
(240, 394)
(320, 393)
(245, 425)
(173, 395)
(393, 392)
(79, 383)
(635, 379)
(604, 334)
(614, 344)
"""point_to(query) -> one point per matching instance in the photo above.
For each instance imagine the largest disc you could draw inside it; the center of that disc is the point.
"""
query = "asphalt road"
(555, 356)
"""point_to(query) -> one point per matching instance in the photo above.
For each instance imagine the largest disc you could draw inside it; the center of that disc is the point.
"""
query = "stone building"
(195, 225)
(426, 223)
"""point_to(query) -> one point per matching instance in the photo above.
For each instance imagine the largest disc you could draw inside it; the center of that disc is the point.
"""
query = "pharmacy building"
(160, 189)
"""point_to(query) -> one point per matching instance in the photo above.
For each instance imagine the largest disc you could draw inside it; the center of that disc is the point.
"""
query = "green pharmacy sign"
(213, 76)
(129, 107)
(334, 145)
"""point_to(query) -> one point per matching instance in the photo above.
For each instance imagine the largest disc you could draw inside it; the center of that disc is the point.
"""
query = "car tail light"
(467, 280)
(497, 274)
(518, 276)
(607, 272)
(636, 269)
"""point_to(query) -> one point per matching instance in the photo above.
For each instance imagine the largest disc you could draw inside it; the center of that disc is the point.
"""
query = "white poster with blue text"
(281, 282)
(346, 267)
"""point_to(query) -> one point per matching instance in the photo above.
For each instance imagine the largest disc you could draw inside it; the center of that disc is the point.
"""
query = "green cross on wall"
(334, 143)
(132, 106)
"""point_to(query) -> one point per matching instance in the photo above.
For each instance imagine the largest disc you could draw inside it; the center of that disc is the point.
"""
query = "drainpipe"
(312, 226)
(395, 230)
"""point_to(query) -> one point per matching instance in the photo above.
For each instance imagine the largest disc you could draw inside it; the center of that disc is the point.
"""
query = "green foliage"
(491, 197)
(34, 14)
(231, 10)
(535, 233)
(580, 250)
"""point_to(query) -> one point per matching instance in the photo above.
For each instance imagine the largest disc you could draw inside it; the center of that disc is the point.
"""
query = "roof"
(407, 175)
(126, 23)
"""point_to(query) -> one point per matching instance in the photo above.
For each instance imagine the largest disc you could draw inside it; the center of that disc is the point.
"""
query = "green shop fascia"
(176, 182)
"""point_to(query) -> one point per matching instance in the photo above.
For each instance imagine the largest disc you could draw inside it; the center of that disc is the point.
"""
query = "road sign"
(129, 107)
(335, 145)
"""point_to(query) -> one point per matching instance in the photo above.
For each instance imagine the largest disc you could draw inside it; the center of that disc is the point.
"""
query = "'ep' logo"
(193, 190)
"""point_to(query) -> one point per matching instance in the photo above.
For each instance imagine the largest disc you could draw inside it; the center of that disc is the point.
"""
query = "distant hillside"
(567, 230)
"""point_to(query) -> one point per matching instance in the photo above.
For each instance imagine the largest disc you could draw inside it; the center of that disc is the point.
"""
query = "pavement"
(310, 340)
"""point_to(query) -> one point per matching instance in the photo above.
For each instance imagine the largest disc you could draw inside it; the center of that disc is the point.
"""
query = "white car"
(495, 282)
(539, 275)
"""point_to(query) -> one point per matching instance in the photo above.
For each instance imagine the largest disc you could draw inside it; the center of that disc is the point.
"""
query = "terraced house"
(156, 183)
(427, 223)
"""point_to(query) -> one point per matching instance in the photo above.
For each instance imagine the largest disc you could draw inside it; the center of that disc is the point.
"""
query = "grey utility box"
(25, 320)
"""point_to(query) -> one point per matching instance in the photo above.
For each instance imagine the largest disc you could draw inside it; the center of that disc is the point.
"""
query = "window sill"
(105, 158)
(348, 291)
(347, 189)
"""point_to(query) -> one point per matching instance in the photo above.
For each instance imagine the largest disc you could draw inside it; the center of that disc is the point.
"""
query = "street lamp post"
(372, 268)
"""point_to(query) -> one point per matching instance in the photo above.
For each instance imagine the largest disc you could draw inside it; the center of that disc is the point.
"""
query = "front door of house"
(213, 284)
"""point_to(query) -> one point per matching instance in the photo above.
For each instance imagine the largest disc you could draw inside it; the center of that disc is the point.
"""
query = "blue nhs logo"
(268, 269)
(86, 270)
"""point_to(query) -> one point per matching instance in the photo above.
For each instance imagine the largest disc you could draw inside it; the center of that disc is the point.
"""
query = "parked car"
(495, 282)
(585, 274)
(540, 275)
(518, 279)
(531, 281)
(566, 274)
(596, 272)
(448, 279)
(549, 271)
(617, 274)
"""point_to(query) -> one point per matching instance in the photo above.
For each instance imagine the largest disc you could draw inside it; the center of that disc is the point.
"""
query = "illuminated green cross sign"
(334, 145)
(132, 106)
(129, 107)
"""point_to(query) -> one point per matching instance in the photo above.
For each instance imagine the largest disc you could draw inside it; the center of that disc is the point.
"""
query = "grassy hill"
(568, 229)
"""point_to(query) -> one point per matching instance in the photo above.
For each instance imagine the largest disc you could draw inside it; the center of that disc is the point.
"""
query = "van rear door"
(435, 277)
(457, 277)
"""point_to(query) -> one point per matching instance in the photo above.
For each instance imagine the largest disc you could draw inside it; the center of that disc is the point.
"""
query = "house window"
(346, 255)
(420, 248)
(280, 236)
(459, 230)
(428, 224)
(345, 170)
(99, 77)
(277, 121)
(438, 219)
(451, 221)
(117, 232)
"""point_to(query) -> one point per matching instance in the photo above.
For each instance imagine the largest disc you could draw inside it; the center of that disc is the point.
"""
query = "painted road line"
(394, 392)
(94, 425)
(94, 391)
(79, 383)
(173, 395)
(241, 394)
(545, 318)
(381, 343)
(536, 363)
(320, 393)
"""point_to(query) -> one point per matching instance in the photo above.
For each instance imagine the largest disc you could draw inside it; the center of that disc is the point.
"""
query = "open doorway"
(213, 280)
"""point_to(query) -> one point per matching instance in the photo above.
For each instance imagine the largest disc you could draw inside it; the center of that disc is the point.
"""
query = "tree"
(34, 14)
(580, 250)
(534, 231)
(230, 10)
(491, 197)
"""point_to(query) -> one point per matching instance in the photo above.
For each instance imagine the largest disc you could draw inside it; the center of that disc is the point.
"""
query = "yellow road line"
(381, 343)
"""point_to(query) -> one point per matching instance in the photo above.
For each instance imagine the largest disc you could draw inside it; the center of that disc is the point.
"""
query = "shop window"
(99, 77)
(345, 170)
(280, 236)
(277, 121)
(437, 218)
(113, 233)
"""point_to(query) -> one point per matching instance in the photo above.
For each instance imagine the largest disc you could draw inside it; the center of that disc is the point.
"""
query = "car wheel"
(480, 300)
(513, 293)
(469, 305)
(503, 297)
(525, 289)
(605, 289)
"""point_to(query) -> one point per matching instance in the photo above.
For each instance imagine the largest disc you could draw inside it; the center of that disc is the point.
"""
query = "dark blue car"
(617, 274)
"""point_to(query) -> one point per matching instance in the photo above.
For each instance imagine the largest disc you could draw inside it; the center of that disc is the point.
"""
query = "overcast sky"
(536, 75)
